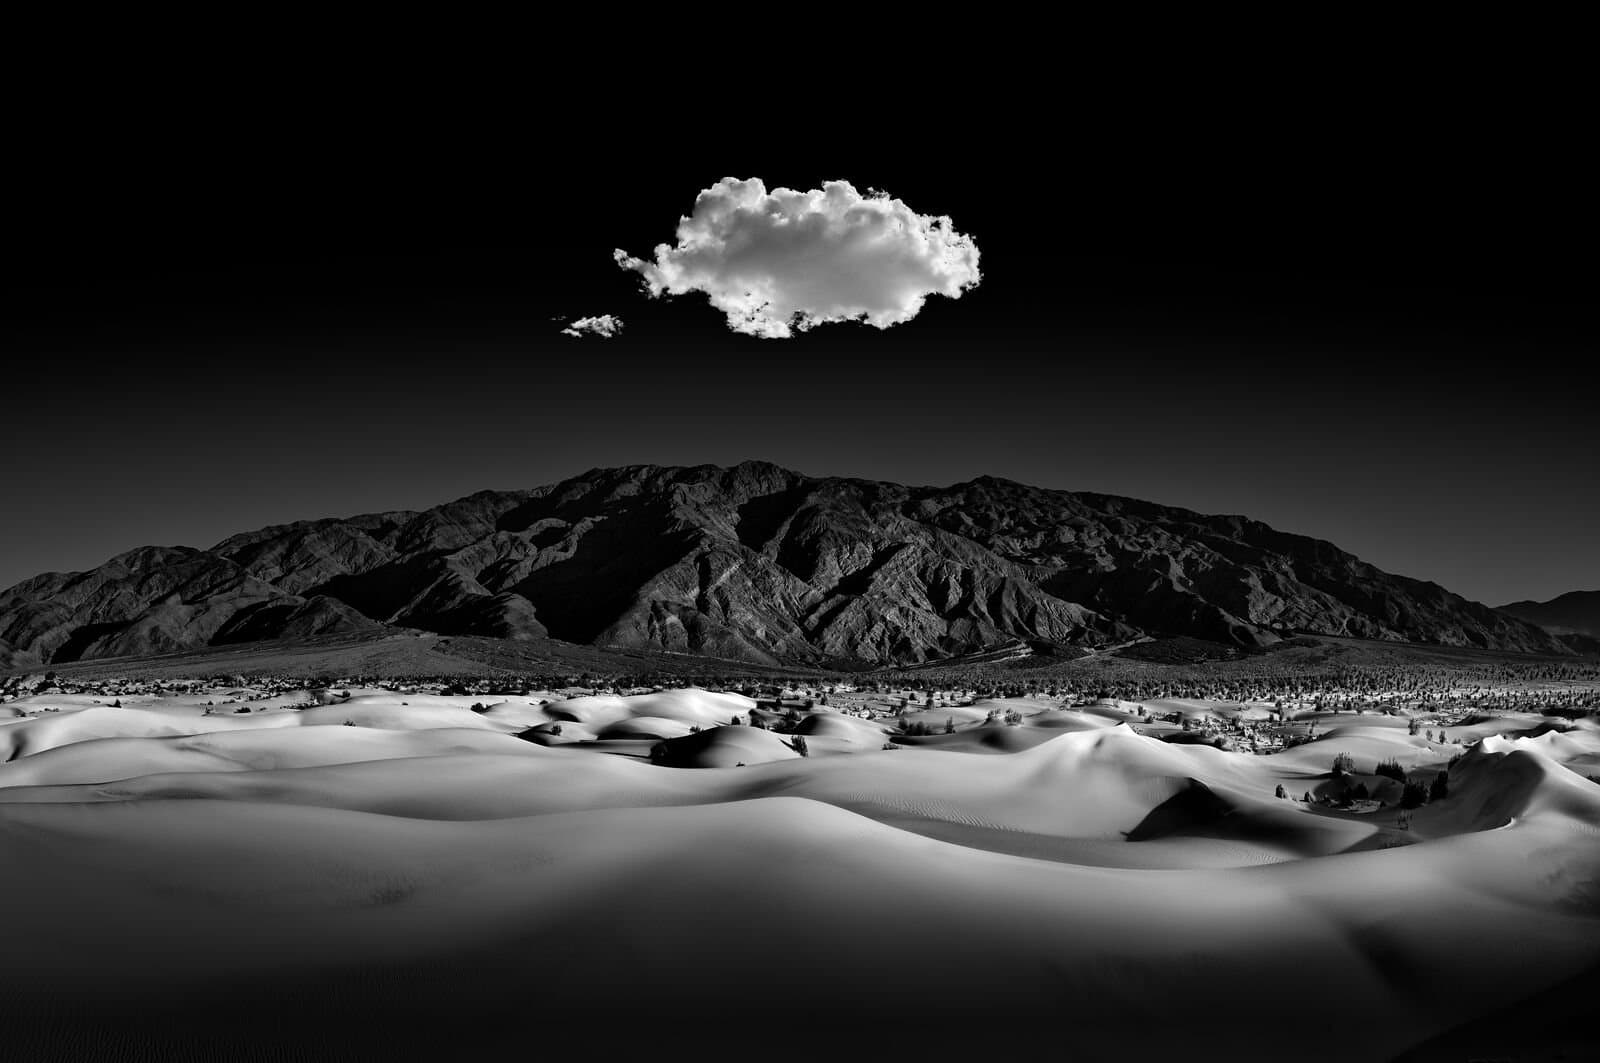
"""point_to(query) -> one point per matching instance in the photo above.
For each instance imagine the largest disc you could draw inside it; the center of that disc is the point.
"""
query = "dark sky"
(1374, 332)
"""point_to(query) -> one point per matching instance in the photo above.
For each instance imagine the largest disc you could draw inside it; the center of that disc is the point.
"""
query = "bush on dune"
(1392, 769)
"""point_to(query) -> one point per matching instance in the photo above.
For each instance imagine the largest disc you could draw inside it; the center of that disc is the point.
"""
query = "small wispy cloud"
(784, 261)
(604, 326)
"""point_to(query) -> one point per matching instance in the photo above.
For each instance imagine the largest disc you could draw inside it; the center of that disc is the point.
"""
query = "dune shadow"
(1194, 806)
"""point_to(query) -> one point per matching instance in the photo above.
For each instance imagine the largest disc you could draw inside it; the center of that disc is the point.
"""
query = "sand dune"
(33, 736)
(689, 707)
(523, 902)
(426, 868)
(839, 732)
(1077, 719)
(729, 747)
(109, 759)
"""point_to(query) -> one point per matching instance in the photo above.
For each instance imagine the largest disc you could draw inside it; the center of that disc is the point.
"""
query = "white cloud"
(780, 261)
(606, 325)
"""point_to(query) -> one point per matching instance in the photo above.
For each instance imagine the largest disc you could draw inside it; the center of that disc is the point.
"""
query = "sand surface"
(392, 875)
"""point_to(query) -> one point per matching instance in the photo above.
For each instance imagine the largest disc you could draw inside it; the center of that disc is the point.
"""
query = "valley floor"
(272, 872)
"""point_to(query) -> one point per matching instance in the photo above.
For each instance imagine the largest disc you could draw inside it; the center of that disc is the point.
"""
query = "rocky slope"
(753, 562)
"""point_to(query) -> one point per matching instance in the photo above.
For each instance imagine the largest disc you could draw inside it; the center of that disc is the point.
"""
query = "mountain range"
(754, 563)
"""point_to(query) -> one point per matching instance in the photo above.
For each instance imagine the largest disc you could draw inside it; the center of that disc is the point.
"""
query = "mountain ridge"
(1574, 611)
(1573, 618)
(754, 562)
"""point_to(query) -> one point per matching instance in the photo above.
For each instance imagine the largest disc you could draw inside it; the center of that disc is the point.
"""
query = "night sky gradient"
(1373, 336)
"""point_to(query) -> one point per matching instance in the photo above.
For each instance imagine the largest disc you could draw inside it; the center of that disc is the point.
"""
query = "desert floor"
(240, 873)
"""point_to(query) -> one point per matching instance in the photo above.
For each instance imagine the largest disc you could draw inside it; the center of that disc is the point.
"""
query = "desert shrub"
(1307, 797)
(799, 746)
(1281, 793)
(949, 726)
(1343, 764)
(1392, 769)
(478, 706)
(694, 728)
(1440, 788)
(241, 708)
(890, 745)
(1415, 795)
(555, 728)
